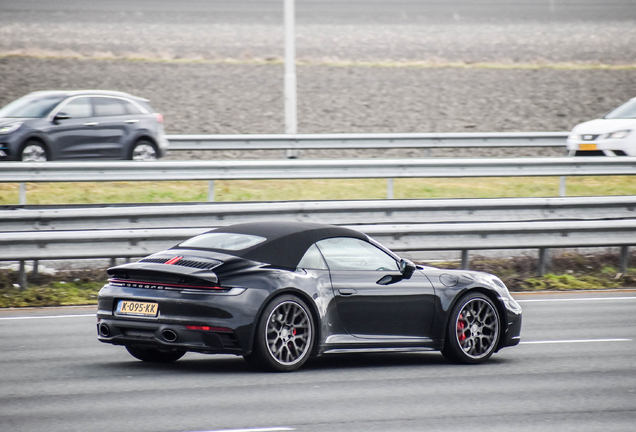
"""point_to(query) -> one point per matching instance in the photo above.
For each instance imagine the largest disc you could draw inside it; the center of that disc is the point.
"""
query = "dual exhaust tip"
(168, 335)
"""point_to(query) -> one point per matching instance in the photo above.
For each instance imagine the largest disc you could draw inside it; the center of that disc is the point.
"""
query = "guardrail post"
(624, 259)
(211, 191)
(562, 191)
(113, 262)
(562, 186)
(544, 261)
(23, 200)
(292, 153)
(465, 260)
(22, 279)
(35, 276)
(389, 188)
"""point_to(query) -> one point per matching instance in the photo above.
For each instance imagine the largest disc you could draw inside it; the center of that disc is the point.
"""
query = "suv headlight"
(619, 134)
(11, 127)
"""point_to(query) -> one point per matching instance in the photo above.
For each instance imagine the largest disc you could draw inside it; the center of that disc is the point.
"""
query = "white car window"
(78, 108)
(344, 253)
(109, 107)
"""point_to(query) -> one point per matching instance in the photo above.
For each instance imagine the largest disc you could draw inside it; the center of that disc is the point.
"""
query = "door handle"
(347, 292)
(132, 121)
(91, 124)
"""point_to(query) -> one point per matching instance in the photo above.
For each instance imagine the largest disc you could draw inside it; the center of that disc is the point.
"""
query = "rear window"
(224, 241)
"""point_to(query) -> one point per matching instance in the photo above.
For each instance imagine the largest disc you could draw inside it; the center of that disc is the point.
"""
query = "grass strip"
(285, 190)
(570, 271)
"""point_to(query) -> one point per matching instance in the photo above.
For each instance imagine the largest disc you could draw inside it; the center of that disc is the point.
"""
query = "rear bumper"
(167, 336)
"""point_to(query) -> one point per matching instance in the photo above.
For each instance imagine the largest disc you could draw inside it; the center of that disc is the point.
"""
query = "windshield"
(625, 111)
(30, 107)
(224, 241)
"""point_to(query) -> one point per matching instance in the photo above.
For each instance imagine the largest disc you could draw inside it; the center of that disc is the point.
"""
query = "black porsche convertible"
(278, 293)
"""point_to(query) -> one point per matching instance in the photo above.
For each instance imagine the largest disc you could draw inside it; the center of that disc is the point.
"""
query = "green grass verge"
(569, 272)
(285, 190)
(65, 288)
(51, 294)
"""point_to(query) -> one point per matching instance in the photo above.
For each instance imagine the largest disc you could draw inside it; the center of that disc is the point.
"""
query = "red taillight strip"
(208, 328)
(174, 260)
(157, 285)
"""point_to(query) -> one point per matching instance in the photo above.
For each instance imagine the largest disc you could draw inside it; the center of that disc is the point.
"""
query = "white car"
(612, 135)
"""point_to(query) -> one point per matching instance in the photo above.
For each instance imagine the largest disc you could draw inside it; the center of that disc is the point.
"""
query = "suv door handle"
(91, 124)
(347, 292)
(132, 121)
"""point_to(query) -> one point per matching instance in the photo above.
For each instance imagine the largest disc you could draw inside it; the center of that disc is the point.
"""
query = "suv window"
(345, 253)
(132, 109)
(78, 108)
(109, 107)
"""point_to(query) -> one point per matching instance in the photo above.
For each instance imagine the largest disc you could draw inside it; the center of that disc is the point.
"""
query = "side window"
(313, 259)
(131, 109)
(78, 108)
(109, 107)
(344, 253)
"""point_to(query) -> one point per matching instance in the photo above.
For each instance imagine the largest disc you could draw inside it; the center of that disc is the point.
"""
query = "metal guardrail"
(367, 141)
(14, 172)
(115, 243)
(518, 223)
(364, 212)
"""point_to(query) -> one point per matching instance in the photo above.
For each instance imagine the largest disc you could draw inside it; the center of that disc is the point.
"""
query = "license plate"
(587, 146)
(137, 308)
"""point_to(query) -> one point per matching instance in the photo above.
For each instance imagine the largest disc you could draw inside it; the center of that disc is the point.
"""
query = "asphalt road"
(575, 371)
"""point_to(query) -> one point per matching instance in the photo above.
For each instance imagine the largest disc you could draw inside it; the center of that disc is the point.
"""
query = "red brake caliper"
(461, 325)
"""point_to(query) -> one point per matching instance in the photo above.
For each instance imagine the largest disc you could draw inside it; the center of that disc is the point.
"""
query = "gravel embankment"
(233, 98)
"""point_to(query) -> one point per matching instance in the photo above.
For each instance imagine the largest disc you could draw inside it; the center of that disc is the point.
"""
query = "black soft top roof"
(286, 242)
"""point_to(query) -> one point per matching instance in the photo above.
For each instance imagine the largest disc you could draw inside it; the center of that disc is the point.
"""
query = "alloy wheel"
(34, 153)
(144, 152)
(477, 328)
(288, 333)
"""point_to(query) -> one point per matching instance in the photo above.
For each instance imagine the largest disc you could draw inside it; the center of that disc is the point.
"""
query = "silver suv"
(87, 124)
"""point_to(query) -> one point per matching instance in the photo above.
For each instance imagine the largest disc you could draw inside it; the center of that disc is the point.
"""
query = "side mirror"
(407, 268)
(61, 116)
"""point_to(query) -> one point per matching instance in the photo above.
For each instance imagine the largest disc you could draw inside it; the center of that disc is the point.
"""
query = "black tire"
(284, 336)
(155, 355)
(143, 150)
(33, 151)
(474, 329)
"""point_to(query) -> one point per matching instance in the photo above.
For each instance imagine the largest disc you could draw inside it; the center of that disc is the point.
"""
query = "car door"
(367, 305)
(73, 134)
(115, 125)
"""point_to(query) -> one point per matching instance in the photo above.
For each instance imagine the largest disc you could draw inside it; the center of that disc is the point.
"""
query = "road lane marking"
(48, 317)
(272, 429)
(575, 299)
(574, 341)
